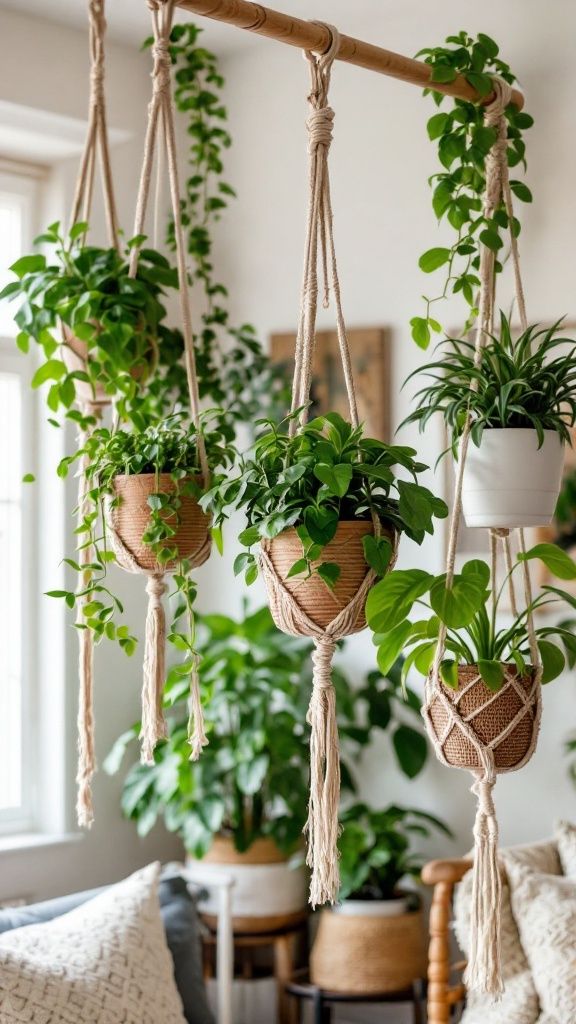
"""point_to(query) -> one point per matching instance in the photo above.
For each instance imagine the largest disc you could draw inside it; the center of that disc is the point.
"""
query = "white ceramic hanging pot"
(509, 481)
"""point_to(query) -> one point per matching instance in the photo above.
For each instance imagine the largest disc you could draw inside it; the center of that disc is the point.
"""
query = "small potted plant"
(481, 656)
(241, 808)
(98, 328)
(327, 506)
(522, 401)
(373, 940)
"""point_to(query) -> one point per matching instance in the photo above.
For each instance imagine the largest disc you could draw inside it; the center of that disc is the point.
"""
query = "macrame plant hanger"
(449, 715)
(322, 825)
(96, 146)
(161, 123)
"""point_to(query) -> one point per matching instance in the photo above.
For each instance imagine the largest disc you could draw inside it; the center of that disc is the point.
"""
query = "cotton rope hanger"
(95, 147)
(322, 826)
(161, 123)
(484, 971)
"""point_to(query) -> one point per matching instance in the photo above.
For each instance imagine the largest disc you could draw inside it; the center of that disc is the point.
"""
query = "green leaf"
(28, 478)
(250, 774)
(52, 369)
(377, 552)
(391, 646)
(249, 536)
(443, 73)
(521, 191)
(299, 567)
(432, 259)
(420, 331)
(491, 239)
(553, 661)
(457, 605)
(437, 124)
(329, 572)
(492, 673)
(337, 478)
(28, 265)
(411, 750)
(555, 559)
(449, 673)
(390, 601)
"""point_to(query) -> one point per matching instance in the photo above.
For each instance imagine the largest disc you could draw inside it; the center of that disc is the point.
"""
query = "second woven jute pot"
(131, 518)
(488, 714)
(365, 955)
(313, 595)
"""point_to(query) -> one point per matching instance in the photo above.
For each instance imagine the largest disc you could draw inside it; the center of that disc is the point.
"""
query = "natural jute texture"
(456, 739)
(312, 609)
(368, 954)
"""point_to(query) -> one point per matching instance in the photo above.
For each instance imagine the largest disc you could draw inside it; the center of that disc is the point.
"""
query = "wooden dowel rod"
(307, 35)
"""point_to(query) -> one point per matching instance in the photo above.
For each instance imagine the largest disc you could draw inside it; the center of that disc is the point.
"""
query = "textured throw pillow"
(545, 910)
(519, 1003)
(105, 962)
(566, 839)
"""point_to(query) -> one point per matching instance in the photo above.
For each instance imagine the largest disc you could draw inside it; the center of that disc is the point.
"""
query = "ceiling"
(128, 20)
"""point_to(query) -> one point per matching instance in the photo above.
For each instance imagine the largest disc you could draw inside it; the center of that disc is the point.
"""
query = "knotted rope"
(96, 145)
(484, 972)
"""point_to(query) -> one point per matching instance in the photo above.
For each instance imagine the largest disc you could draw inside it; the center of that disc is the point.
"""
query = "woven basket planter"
(315, 597)
(488, 715)
(131, 517)
(364, 955)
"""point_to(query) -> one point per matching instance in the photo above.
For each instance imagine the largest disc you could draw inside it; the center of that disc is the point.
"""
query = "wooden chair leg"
(283, 970)
(439, 955)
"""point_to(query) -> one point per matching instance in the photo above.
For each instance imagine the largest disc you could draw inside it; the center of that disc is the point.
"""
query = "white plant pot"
(371, 908)
(509, 481)
(261, 891)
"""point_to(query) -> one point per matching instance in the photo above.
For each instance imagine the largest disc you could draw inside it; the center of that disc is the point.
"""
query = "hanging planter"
(511, 480)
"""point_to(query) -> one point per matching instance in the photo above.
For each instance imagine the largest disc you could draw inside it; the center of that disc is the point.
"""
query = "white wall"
(45, 67)
(381, 159)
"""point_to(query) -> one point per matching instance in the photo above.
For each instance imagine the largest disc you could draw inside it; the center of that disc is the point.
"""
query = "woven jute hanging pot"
(368, 955)
(471, 726)
(310, 607)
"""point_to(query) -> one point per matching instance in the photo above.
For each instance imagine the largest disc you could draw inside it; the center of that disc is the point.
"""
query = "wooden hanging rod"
(306, 35)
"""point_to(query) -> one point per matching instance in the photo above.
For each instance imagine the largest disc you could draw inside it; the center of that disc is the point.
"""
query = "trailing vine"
(463, 143)
(234, 372)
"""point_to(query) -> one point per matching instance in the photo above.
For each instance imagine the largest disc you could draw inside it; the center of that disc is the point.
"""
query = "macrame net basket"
(310, 607)
(472, 727)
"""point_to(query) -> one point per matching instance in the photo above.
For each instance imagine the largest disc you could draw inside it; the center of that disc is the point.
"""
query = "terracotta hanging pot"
(131, 518)
(313, 595)
(371, 952)
(509, 481)
(489, 715)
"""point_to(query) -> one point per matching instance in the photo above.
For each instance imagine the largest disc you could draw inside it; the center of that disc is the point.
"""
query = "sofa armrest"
(442, 995)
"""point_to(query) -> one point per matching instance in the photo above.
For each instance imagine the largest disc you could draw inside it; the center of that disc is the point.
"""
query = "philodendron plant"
(326, 473)
(527, 382)
(376, 849)
(170, 448)
(469, 610)
(251, 780)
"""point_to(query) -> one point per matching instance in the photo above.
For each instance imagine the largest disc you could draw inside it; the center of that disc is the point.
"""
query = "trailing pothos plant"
(463, 143)
(86, 293)
(376, 849)
(251, 781)
(527, 381)
(326, 473)
(170, 447)
(469, 610)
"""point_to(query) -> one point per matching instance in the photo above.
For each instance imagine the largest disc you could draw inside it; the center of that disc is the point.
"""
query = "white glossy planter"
(371, 908)
(509, 481)
(261, 891)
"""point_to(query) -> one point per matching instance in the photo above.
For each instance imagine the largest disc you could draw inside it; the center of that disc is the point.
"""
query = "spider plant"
(527, 381)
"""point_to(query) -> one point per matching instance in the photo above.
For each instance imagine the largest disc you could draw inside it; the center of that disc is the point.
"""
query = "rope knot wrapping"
(162, 65)
(484, 972)
(320, 127)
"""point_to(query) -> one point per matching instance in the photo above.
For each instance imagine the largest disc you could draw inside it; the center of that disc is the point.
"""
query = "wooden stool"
(282, 940)
(301, 989)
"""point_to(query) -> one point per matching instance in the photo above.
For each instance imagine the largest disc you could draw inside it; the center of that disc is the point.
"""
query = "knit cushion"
(519, 1003)
(566, 839)
(545, 910)
(105, 962)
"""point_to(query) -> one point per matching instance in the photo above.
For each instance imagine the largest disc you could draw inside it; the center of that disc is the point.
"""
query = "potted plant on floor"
(241, 809)
(326, 506)
(483, 660)
(373, 940)
(521, 400)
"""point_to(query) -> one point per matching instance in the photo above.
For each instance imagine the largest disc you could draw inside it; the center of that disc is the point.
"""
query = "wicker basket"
(364, 955)
(491, 714)
(315, 597)
(131, 517)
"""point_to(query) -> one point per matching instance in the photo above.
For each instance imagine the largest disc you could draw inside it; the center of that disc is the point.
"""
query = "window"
(17, 531)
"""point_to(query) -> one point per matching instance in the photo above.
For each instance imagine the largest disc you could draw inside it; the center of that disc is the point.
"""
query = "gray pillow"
(180, 919)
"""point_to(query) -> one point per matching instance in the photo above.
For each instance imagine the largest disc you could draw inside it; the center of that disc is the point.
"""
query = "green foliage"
(527, 382)
(326, 473)
(376, 851)
(463, 143)
(172, 448)
(469, 610)
(252, 778)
